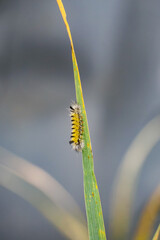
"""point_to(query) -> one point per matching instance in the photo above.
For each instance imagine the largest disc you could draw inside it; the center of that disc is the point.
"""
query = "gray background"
(117, 45)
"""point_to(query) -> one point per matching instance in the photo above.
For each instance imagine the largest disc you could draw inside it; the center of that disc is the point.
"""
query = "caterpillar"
(76, 139)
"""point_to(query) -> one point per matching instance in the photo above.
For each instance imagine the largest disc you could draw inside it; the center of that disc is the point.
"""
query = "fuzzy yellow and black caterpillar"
(76, 139)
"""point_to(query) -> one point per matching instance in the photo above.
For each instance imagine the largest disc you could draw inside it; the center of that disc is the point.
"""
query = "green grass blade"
(157, 234)
(92, 199)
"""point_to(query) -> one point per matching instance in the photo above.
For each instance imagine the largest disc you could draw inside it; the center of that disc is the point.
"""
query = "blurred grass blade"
(92, 199)
(41, 190)
(157, 234)
(125, 184)
(148, 217)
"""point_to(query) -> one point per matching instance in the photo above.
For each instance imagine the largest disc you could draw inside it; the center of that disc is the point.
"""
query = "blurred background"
(117, 45)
